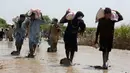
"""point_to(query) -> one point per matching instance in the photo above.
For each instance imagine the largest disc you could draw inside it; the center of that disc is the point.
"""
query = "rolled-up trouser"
(19, 39)
(33, 41)
(53, 42)
(54, 45)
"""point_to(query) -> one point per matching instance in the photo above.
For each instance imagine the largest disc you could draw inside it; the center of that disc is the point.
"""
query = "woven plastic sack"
(15, 20)
(70, 15)
(37, 13)
(100, 14)
(114, 16)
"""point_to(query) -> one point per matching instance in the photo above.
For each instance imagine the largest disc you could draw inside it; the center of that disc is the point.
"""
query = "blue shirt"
(19, 32)
(34, 29)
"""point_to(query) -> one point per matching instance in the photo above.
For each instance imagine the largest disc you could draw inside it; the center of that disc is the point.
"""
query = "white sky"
(57, 8)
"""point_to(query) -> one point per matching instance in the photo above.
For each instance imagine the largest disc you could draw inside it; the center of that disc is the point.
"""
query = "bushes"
(3, 23)
(121, 37)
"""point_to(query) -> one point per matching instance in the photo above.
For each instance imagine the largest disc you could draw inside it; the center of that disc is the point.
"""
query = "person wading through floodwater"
(74, 27)
(1, 35)
(105, 30)
(10, 33)
(19, 35)
(53, 36)
(6, 34)
(33, 33)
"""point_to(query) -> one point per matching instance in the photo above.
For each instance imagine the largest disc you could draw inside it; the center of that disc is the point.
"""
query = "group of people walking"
(7, 33)
(31, 28)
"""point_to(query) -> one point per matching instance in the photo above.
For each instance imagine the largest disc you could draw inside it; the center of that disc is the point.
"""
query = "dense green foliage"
(123, 31)
(47, 19)
(121, 37)
(3, 23)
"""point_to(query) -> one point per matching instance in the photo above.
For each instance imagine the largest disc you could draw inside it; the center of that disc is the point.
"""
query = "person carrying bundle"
(53, 36)
(75, 25)
(19, 35)
(33, 32)
(105, 30)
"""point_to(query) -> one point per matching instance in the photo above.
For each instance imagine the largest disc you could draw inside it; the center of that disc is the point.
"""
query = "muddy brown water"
(84, 61)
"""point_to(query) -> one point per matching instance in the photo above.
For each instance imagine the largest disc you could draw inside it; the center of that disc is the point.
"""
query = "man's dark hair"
(22, 15)
(55, 19)
(78, 14)
(12, 26)
(107, 10)
(2, 29)
(33, 14)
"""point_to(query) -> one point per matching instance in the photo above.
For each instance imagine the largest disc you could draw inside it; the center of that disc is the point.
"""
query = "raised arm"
(120, 16)
(63, 19)
(42, 21)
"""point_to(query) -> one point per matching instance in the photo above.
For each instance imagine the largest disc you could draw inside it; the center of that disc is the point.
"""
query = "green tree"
(46, 19)
(45, 27)
(3, 23)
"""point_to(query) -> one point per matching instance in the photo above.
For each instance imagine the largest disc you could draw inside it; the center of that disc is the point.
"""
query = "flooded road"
(44, 62)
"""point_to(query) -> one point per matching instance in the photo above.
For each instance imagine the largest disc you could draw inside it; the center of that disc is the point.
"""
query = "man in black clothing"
(74, 27)
(1, 35)
(105, 30)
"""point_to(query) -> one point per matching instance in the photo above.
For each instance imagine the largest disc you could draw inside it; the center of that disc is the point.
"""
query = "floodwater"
(84, 61)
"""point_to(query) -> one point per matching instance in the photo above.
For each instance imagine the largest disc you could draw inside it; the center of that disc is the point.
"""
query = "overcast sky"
(57, 8)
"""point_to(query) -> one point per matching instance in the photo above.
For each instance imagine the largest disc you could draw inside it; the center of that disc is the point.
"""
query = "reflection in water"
(70, 70)
(105, 71)
(28, 65)
(10, 44)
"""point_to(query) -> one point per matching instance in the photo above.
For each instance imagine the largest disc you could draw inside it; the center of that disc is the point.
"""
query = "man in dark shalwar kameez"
(74, 27)
(105, 30)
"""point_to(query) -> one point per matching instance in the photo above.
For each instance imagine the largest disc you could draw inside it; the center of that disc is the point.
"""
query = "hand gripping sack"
(114, 16)
(100, 14)
(70, 15)
(38, 14)
(15, 20)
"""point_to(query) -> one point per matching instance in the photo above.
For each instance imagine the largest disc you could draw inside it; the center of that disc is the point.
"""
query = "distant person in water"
(19, 35)
(105, 30)
(33, 33)
(1, 35)
(10, 33)
(74, 27)
(6, 32)
(54, 34)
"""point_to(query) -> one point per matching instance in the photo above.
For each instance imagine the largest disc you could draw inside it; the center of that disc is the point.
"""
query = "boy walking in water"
(54, 34)
(19, 35)
(105, 30)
